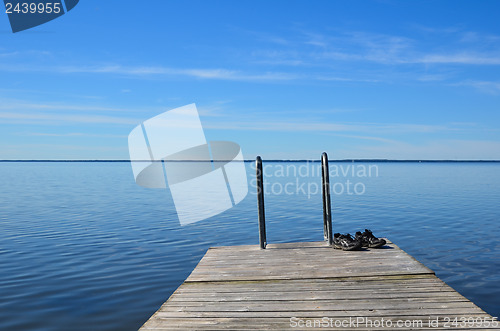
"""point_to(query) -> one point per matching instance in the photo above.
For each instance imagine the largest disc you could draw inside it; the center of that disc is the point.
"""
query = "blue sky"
(284, 79)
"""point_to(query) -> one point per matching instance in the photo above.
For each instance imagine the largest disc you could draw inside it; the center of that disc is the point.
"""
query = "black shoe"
(367, 239)
(345, 242)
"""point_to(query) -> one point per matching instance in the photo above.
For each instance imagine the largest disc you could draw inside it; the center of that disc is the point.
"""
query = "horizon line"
(270, 160)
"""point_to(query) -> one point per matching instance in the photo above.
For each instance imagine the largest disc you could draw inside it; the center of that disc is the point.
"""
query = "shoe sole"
(382, 243)
(346, 248)
(378, 245)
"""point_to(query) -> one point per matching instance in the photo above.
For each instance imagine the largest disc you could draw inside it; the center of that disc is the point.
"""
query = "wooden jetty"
(311, 285)
(294, 285)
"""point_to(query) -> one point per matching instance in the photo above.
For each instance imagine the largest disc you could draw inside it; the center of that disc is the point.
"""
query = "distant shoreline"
(312, 161)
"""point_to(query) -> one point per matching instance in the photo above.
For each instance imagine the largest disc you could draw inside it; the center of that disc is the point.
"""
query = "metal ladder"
(327, 208)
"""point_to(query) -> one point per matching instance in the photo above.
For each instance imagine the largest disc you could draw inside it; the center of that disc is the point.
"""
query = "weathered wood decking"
(293, 286)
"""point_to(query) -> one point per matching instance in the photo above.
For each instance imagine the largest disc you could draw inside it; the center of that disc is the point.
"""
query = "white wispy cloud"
(491, 87)
(216, 109)
(73, 134)
(483, 39)
(156, 71)
(47, 113)
(459, 58)
(26, 53)
(40, 118)
(346, 79)
(451, 149)
(433, 77)
(436, 30)
(280, 125)
(384, 140)
(12, 105)
(57, 93)
(360, 46)
(9, 54)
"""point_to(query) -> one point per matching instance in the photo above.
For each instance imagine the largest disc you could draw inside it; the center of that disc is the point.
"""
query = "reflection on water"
(83, 247)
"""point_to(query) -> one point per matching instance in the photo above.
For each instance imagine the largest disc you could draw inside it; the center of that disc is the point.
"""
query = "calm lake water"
(82, 247)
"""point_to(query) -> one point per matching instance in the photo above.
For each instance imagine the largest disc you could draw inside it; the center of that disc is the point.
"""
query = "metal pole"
(327, 208)
(260, 202)
(323, 195)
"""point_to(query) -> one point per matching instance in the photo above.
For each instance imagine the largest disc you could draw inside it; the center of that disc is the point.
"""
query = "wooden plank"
(316, 305)
(284, 323)
(244, 287)
(292, 245)
(306, 274)
(291, 286)
(388, 313)
(336, 281)
(315, 296)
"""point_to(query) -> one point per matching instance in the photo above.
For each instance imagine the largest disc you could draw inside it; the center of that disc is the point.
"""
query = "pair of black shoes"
(362, 239)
